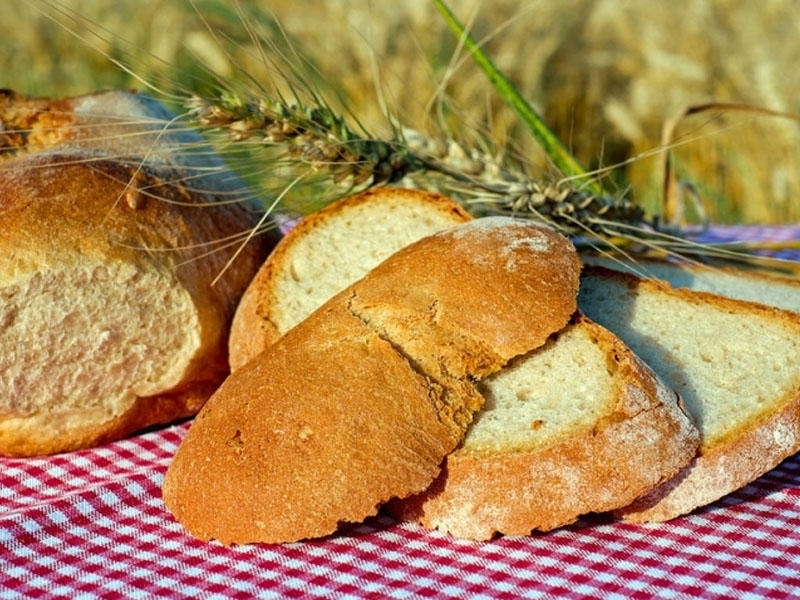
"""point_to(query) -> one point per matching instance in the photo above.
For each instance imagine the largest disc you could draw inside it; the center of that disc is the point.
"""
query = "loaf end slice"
(321, 429)
(340, 415)
(498, 285)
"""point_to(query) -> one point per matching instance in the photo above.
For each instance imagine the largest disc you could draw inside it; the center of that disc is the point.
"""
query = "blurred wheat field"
(605, 74)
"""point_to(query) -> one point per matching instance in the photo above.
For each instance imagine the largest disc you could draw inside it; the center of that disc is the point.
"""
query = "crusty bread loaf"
(733, 362)
(325, 252)
(109, 321)
(361, 401)
(578, 426)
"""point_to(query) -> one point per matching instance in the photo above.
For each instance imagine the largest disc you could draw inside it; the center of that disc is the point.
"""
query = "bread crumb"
(236, 441)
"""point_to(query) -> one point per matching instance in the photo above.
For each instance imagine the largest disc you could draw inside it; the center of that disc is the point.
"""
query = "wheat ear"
(316, 137)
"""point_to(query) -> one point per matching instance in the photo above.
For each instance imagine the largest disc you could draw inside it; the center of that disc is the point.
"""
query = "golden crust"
(506, 287)
(77, 430)
(340, 414)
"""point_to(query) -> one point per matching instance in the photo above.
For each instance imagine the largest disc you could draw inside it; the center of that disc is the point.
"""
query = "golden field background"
(606, 75)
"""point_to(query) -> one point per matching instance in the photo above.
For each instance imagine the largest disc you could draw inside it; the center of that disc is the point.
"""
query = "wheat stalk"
(317, 138)
(314, 137)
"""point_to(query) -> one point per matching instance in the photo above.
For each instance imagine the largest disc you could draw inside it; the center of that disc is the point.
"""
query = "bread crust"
(644, 438)
(66, 206)
(721, 470)
(341, 413)
(255, 325)
(67, 431)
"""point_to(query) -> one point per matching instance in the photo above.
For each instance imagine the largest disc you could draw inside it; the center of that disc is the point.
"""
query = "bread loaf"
(361, 401)
(114, 232)
(328, 250)
(733, 362)
(577, 426)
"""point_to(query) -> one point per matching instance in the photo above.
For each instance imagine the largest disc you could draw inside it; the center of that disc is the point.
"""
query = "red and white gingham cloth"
(91, 524)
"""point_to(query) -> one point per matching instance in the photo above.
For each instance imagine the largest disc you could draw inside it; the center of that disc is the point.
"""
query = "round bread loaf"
(116, 292)
(362, 400)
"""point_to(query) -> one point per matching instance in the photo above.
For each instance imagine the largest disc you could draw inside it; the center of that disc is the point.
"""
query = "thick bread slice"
(109, 321)
(733, 362)
(578, 426)
(346, 410)
(325, 252)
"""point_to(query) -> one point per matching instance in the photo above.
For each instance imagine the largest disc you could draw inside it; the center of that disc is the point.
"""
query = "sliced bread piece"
(348, 239)
(734, 364)
(578, 426)
(362, 400)
(752, 285)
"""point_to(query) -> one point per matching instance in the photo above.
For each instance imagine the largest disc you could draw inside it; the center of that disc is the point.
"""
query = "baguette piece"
(327, 251)
(109, 322)
(577, 426)
(362, 400)
(732, 361)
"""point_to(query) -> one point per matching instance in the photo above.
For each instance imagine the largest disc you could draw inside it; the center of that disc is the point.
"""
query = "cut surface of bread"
(109, 321)
(577, 426)
(343, 412)
(733, 363)
(327, 251)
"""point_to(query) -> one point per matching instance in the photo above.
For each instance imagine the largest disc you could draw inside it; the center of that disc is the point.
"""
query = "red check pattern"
(91, 524)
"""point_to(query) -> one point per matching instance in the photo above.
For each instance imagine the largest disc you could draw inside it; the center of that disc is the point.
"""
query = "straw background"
(605, 74)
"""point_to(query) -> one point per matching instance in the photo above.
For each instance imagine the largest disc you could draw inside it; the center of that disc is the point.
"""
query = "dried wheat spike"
(318, 137)
(496, 189)
(573, 211)
(314, 136)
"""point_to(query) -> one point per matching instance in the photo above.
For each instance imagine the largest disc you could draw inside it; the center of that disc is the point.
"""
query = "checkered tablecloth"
(91, 524)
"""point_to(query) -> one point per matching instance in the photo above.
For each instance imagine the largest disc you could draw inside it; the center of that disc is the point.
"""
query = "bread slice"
(752, 285)
(109, 318)
(732, 361)
(578, 426)
(327, 251)
(362, 400)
